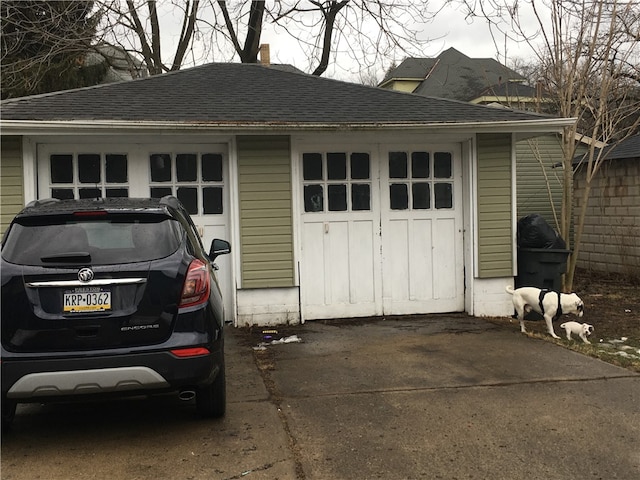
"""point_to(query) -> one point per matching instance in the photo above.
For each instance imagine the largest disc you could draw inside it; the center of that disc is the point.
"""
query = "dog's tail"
(509, 290)
(562, 325)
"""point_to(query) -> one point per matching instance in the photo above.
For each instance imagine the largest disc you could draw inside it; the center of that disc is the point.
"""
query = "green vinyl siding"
(495, 235)
(11, 180)
(266, 227)
(537, 158)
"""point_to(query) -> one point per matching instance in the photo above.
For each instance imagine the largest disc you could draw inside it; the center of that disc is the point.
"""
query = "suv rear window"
(104, 240)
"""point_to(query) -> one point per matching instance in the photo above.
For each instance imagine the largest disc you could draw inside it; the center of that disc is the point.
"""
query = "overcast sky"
(472, 37)
(450, 29)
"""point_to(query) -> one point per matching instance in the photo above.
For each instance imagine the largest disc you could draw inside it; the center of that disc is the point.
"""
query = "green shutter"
(266, 226)
(495, 235)
(11, 180)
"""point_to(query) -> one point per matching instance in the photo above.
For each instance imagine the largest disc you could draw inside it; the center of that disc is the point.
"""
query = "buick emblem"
(85, 275)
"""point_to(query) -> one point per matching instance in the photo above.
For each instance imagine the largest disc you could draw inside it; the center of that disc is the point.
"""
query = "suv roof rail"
(40, 202)
(171, 201)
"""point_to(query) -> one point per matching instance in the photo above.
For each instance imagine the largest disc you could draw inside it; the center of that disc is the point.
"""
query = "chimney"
(265, 57)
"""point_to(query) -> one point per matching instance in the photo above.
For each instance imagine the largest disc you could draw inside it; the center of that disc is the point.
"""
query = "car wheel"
(8, 413)
(211, 400)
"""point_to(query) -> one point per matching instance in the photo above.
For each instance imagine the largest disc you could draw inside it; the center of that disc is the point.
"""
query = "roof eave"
(35, 127)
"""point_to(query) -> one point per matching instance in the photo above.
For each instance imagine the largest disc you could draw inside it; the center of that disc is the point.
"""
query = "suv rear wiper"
(70, 257)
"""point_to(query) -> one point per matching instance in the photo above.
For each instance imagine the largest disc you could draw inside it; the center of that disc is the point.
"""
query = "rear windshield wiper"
(70, 257)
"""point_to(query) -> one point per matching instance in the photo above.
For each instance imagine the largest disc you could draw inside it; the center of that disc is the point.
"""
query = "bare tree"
(371, 32)
(589, 55)
(44, 45)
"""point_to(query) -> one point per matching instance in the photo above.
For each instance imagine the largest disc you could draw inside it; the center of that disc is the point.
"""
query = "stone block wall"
(611, 236)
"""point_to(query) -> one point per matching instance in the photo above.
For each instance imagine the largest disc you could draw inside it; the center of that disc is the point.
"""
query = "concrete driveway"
(434, 397)
(448, 397)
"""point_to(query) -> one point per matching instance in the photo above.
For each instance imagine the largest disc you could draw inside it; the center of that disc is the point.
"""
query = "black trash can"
(541, 267)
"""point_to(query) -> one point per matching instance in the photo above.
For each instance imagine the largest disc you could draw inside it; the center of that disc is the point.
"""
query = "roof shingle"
(229, 93)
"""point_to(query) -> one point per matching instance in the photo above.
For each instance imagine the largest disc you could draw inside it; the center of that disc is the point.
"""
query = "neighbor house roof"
(453, 75)
(627, 149)
(509, 89)
(233, 95)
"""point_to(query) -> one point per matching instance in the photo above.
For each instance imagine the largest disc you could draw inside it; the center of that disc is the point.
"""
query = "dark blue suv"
(110, 296)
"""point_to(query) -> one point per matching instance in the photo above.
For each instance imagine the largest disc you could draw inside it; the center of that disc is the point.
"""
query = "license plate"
(87, 300)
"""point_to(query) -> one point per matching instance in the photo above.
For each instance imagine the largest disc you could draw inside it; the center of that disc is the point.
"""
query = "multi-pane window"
(195, 178)
(336, 181)
(88, 175)
(420, 180)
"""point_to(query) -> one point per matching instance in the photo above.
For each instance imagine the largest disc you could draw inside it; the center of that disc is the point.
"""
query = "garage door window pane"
(117, 193)
(212, 167)
(212, 200)
(421, 196)
(159, 192)
(61, 169)
(360, 166)
(116, 168)
(360, 196)
(399, 197)
(442, 165)
(313, 198)
(189, 198)
(160, 167)
(444, 195)
(186, 167)
(62, 193)
(89, 193)
(420, 165)
(89, 168)
(312, 166)
(337, 198)
(398, 164)
(336, 166)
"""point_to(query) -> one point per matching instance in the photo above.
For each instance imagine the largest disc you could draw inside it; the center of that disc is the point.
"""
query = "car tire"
(8, 413)
(211, 400)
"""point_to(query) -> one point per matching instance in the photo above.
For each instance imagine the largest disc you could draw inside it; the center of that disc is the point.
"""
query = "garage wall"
(537, 174)
(266, 228)
(495, 232)
(12, 181)
(611, 236)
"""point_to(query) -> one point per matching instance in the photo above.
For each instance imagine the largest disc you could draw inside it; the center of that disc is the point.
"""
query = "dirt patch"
(612, 306)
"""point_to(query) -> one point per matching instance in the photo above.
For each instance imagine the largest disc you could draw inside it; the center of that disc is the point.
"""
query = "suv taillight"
(197, 285)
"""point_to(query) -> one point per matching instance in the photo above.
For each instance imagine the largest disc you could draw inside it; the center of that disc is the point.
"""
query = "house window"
(88, 175)
(336, 181)
(420, 180)
(195, 178)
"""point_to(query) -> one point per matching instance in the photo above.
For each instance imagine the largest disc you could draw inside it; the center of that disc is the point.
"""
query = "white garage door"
(196, 173)
(382, 233)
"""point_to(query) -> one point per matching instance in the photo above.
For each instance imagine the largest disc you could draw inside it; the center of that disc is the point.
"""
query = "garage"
(381, 230)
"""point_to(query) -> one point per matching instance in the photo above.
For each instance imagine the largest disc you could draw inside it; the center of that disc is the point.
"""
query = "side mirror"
(219, 247)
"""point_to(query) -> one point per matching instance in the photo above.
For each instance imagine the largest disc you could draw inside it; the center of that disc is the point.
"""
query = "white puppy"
(551, 305)
(583, 330)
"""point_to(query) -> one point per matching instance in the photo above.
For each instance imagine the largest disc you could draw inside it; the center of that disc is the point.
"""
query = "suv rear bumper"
(32, 379)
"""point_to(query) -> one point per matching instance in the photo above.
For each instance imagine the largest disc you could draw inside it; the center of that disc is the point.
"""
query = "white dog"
(551, 305)
(583, 330)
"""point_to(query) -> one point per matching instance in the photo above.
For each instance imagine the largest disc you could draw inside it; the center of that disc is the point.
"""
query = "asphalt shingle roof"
(231, 93)
(627, 149)
(459, 77)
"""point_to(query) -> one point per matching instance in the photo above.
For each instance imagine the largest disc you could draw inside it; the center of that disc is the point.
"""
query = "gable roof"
(454, 75)
(249, 95)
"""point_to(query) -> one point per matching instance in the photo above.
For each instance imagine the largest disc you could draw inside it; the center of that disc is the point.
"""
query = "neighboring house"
(340, 200)
(611, 236)
(455, 76)
(121, 64)
(486, 81)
